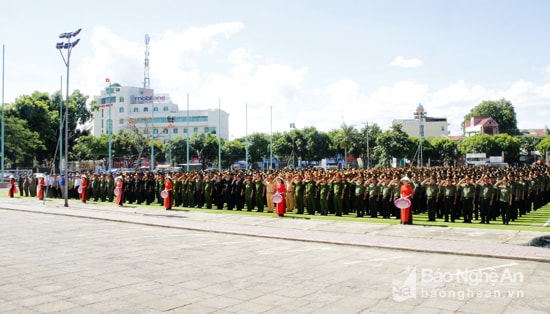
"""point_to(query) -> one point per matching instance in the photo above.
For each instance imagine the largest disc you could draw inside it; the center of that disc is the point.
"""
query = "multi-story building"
(423, 125)
(137, 109)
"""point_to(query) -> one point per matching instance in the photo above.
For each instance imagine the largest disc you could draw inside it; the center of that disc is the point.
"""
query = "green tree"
(365, 148)
(445, 149)
(233, 151)
(544, 146)
(258, 147)
(205, 147)
(315, 145)
(345, 139)
(528, 145)
(507, 145)
(21, 145)
(502, 111)
(480, 143)
(393, 143)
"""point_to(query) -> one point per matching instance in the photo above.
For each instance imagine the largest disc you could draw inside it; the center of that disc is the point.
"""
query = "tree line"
(32, 133)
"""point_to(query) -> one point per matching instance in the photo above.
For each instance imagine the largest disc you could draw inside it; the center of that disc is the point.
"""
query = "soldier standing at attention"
(337, 194)
(431, 196)
(467, 193)
(449, 199)
(359, 191)
(486, 197)
(373, 192)
(504, 199)
(324, 191)
(310, 190)
(385, 202)
(259, 192)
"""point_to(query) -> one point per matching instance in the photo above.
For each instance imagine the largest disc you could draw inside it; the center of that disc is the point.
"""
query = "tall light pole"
(3, 63)
(61, 125)
(152, 161)
(219, 140)
(292, 127)
(109, 91)
(187, 136)
(171, 120)
(420, 115)
(246, 135)
(67, 60)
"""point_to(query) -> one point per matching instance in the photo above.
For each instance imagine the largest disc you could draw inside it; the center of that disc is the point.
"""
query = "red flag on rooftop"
(107, 80)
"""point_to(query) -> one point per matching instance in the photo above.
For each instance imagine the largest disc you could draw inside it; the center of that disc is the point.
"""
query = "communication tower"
(146, 81)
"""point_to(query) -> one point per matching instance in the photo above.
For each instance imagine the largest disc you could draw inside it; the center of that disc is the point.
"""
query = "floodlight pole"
(69, 46)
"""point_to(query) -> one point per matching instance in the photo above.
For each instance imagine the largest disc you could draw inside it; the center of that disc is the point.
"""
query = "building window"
(120, 99)
(206, 130)
(121, 121)
(443, 128)
(145, 131)
(165, 108)
(175, 131)
(121, 109)
(145, 109)
(195, 130)
(155, 131)
(185, 130)
(165, 131)
(156, 109)
(136, 109)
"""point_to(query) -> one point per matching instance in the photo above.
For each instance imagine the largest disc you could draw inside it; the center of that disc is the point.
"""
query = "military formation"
(450, 194)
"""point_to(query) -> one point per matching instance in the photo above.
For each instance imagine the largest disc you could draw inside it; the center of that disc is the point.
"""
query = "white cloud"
(547, 69)
(181, 65)
(407, 63)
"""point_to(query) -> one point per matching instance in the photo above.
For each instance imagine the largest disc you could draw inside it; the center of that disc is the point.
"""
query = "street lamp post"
(171, 120)
(293, 126)
(67, 60)
(110, 91)
(420, 115)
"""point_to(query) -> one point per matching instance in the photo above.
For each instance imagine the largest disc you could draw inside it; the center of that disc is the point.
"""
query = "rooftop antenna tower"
(146, 81)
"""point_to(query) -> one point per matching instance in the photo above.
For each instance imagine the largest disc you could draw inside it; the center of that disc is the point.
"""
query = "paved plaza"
(103, 259)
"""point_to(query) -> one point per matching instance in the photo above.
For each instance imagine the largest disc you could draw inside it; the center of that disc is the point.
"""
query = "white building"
(428, 126)
(137, 109)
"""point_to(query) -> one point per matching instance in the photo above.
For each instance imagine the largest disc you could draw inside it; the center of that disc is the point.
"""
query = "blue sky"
(312, 63)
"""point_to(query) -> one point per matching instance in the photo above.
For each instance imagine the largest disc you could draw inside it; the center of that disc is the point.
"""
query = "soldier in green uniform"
(467, 192)
(359, 192)
(191, 191)
(324, 189)
(504, 199)
(259, 192)
(515, 197)
(386, 200)
(249, 193)
(199, 190)
(486, 198)
(311, 191)
(431, 189)
(448, 189)
(337, 194)
(373, 192)
(208, 190)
